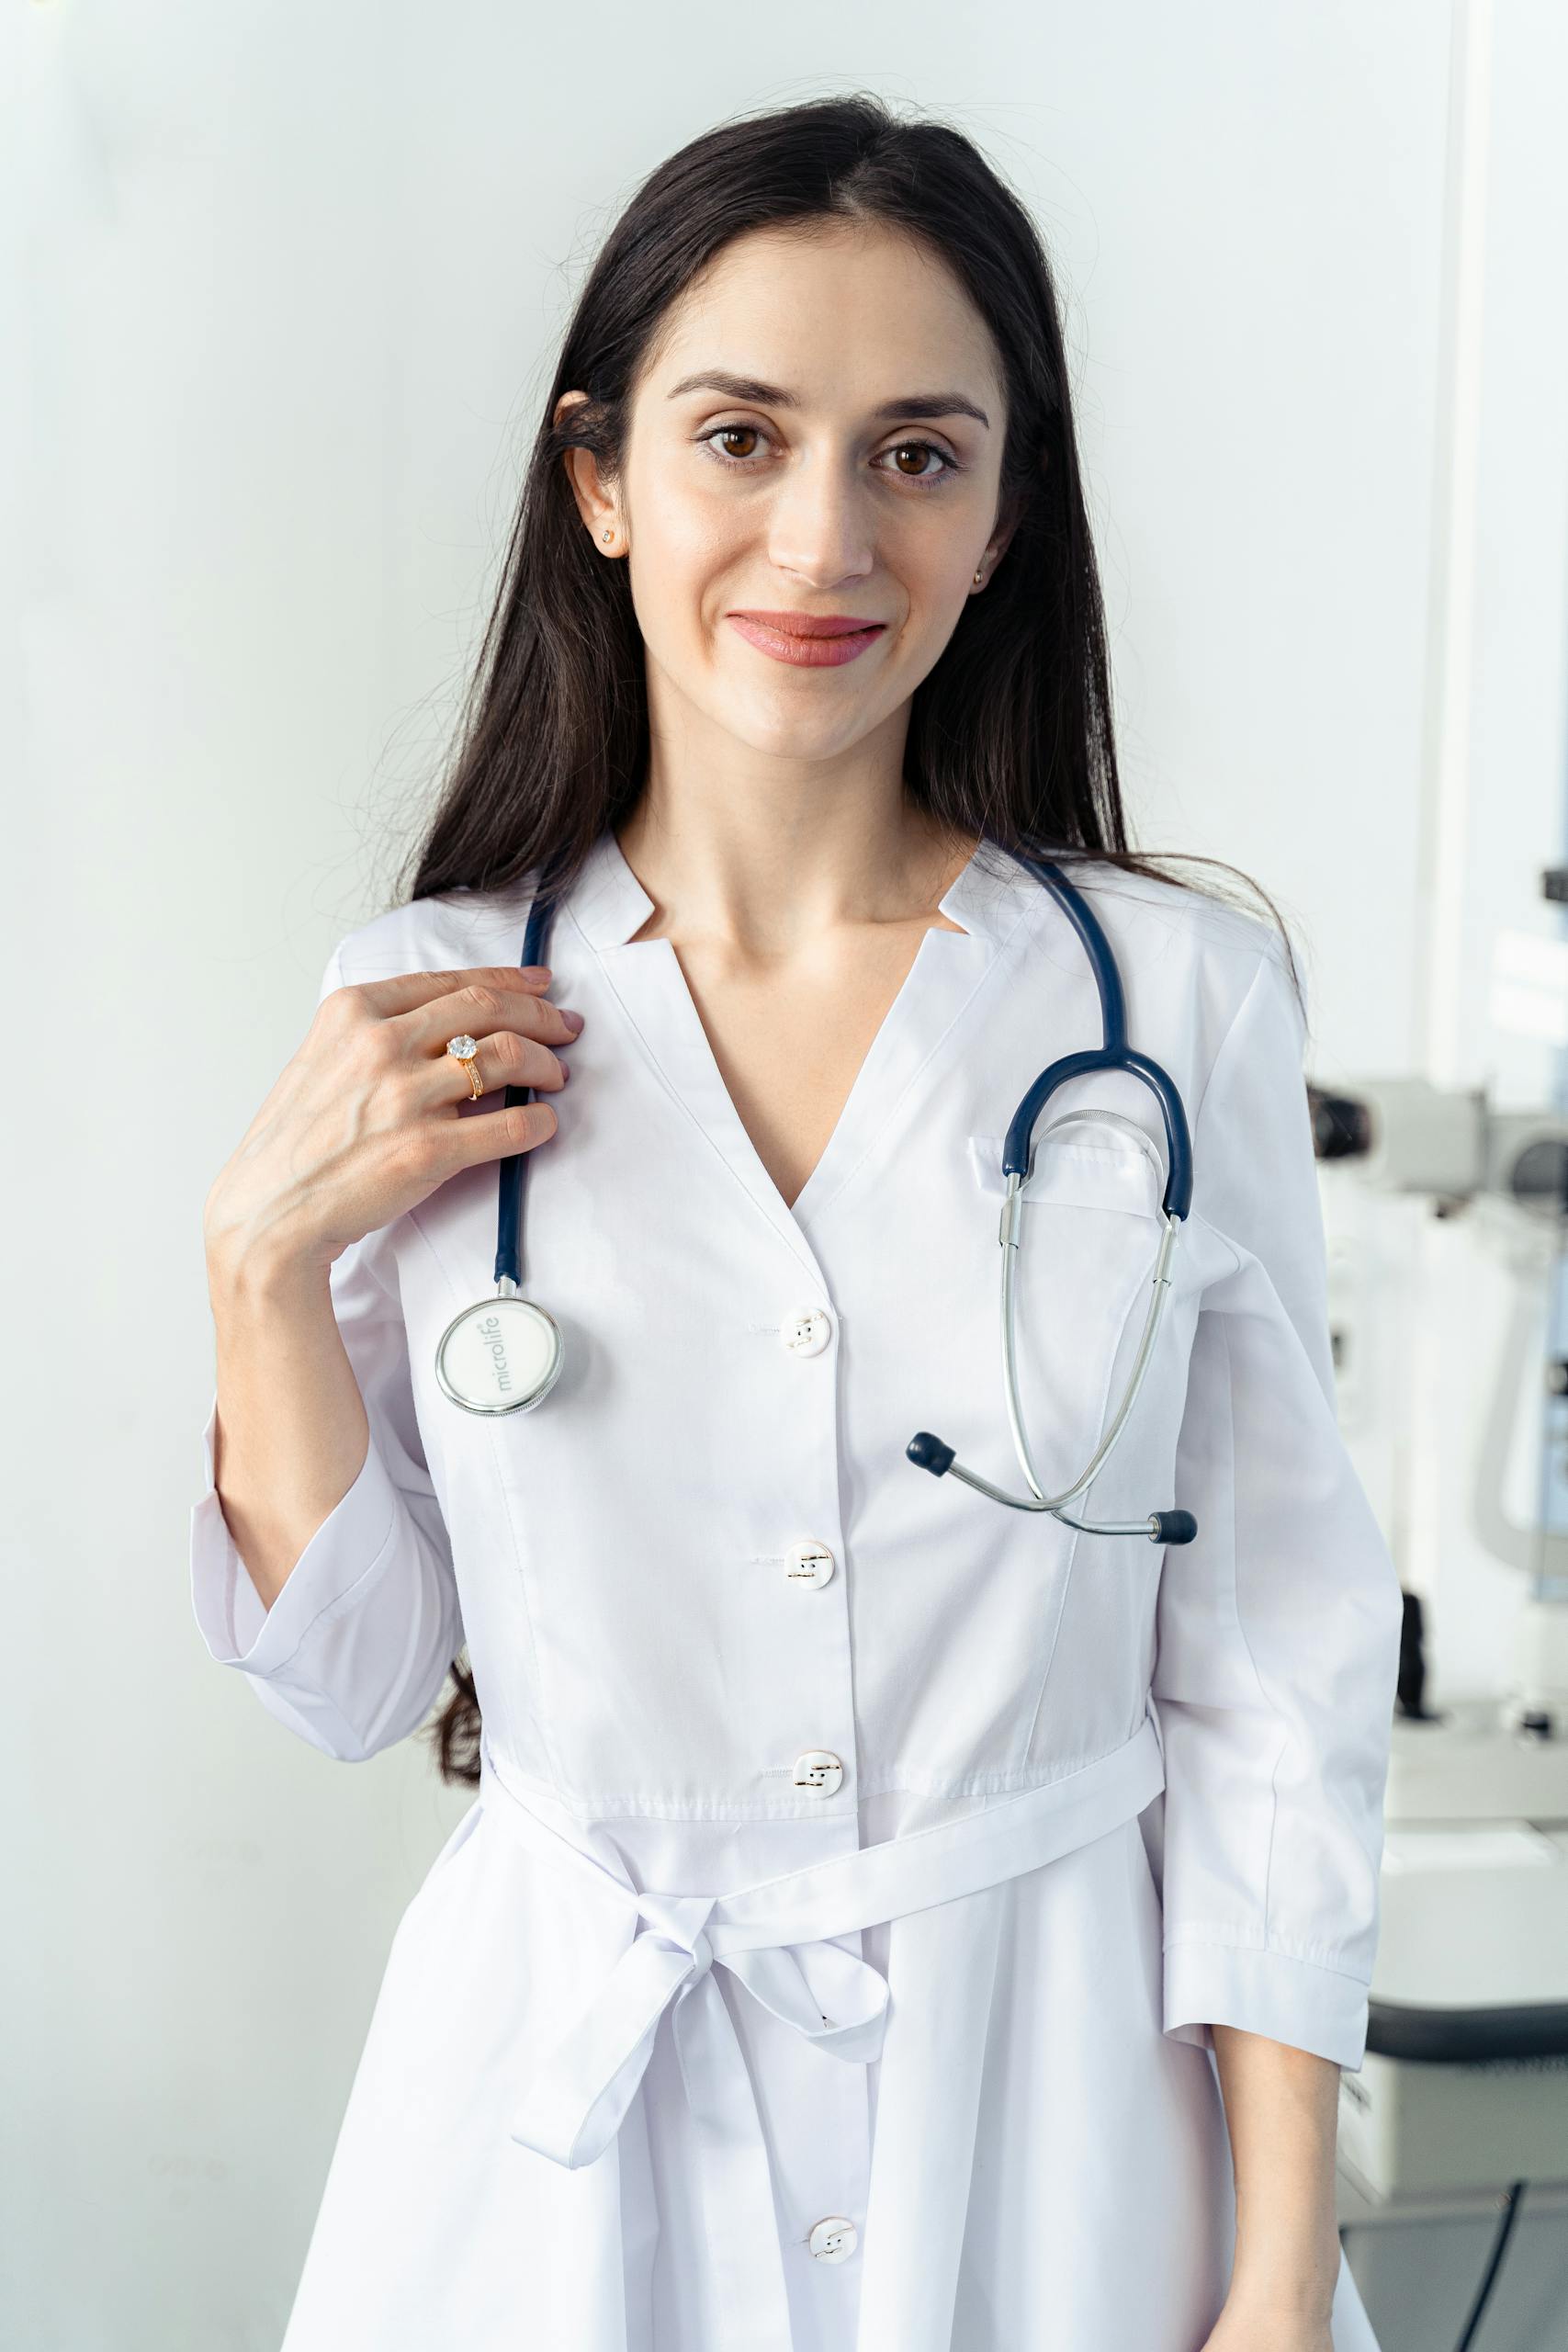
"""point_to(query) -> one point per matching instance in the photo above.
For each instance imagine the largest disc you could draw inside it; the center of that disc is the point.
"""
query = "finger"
(503, 1059)
(400, 992)
(480, 1009)
(520, 1127)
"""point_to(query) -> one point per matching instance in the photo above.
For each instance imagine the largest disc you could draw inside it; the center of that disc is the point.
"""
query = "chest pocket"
(1091, 1158)
(1090, 1229)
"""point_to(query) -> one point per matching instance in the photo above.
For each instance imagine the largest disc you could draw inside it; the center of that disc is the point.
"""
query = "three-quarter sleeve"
(1278, 1627)
(355, 1649)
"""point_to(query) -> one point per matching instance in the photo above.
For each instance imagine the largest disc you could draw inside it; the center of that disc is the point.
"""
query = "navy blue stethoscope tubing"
(509, 1230)
(1113, 1053)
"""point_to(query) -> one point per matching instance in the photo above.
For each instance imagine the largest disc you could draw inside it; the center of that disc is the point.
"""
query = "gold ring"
(463, 1050)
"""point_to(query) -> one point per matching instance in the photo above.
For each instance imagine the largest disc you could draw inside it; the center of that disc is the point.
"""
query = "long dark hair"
(1009, 736)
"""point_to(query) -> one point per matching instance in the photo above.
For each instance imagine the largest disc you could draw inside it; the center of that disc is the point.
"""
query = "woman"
(878, 1902)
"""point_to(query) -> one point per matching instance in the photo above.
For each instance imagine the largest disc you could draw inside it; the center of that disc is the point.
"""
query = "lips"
(808, 640)
(809, 623)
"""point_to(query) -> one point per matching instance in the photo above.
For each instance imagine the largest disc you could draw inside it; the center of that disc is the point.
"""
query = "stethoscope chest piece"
(501, 1356)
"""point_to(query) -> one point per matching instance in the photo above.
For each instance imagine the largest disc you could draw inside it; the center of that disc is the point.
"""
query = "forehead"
(839, 313)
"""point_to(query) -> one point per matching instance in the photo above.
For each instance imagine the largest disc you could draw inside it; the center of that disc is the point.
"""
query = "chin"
(793, 735)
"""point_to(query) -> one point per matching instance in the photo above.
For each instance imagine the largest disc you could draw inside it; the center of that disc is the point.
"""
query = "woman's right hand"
(367, 1119)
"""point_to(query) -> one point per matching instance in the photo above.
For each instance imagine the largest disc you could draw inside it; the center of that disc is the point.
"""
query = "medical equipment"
(1467, 2036)
(504, 1355)
(1451, 1144)
(1457, 2118)
(927, 1451)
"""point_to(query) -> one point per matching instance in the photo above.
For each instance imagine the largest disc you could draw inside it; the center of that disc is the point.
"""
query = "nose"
(819, 526)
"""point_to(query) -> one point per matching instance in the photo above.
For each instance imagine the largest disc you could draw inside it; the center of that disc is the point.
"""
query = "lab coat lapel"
(609, 905)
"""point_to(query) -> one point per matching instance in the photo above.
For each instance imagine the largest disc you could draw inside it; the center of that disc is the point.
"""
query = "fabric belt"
(776, 1938)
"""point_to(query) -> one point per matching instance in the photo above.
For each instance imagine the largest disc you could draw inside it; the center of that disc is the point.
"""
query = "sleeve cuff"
(1295, 2001)
(343, 1554)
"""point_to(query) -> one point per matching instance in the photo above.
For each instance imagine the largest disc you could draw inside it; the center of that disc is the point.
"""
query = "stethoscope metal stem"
(1037, 1498)
(927, 1453)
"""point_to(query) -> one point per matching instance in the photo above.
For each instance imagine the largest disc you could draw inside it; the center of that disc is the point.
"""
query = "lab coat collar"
(609, 904)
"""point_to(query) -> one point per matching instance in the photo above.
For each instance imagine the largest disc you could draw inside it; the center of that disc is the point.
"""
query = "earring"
(608, 535)
(978, 576)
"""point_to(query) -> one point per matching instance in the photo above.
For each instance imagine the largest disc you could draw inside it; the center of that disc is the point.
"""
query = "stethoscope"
(504, 1355)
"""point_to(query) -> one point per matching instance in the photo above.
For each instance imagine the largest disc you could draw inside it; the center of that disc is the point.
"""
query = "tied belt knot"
(575, 2103)
(777, 1938)
(701, 1948)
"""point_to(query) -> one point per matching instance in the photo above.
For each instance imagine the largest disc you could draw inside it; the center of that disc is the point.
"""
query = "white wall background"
(284, 282)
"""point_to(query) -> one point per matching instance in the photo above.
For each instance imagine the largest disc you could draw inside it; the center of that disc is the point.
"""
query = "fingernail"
(535, 971)
(564, 1068)
(573, 1020)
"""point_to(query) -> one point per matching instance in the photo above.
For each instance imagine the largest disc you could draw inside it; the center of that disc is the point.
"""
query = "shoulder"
(1169, 933)
(1212, 997)
(1202, 976)
(449, 932)
(1152, 918)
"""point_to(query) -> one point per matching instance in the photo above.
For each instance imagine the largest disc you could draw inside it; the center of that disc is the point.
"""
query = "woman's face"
(817, 438)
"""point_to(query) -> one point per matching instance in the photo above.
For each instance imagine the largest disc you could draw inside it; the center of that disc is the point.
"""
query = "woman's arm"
(1277, 1629)
(1281, 2106)
(319, 1561)
(1276, 1658)
(290, 1434)
(352, 1648)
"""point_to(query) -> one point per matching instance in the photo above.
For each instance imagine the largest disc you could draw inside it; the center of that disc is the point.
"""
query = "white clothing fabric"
(827, 1961)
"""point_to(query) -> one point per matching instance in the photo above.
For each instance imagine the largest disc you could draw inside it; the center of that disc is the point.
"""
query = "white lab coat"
(828, 1958)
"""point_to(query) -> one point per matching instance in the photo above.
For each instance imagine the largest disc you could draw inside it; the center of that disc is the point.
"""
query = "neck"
(764, 860)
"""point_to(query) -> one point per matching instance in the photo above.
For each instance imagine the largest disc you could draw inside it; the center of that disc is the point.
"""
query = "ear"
(595, 500)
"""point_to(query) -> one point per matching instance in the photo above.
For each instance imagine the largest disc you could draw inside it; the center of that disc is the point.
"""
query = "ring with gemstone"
(463, 1050)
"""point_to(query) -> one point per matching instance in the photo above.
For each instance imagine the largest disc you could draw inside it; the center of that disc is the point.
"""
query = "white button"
(808, 1334)
(834, 2240)
(818, 1769)
(808, 1565)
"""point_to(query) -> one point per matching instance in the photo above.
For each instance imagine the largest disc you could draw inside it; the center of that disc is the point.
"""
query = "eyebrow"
(750, 388)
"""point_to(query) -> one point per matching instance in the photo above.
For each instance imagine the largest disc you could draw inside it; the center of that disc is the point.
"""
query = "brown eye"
(919, 451)
(724, 436)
